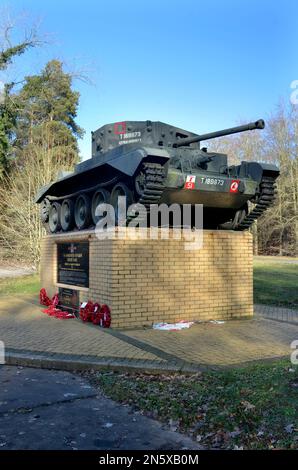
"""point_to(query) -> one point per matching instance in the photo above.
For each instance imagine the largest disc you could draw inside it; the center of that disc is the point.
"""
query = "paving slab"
(33, 339)
(23, 326)
(232, 343)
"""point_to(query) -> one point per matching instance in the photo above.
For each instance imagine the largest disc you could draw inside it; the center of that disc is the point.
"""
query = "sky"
(199, 65)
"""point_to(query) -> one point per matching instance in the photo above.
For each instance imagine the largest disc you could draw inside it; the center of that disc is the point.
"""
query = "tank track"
(154, 184)
(266, 199)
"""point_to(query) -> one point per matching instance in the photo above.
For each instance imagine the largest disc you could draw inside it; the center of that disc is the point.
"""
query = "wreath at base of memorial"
(96, 314)
(89, 311)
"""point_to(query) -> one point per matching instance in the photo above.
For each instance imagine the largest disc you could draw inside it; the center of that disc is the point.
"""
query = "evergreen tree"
(7, 108)
(48, 107)
(44, 141)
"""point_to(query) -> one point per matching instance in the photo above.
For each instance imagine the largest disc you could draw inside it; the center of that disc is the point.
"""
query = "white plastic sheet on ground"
(181, 325)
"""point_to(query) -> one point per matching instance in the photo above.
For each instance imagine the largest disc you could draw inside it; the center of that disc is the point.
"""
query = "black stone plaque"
(73, 264)
(69, 299)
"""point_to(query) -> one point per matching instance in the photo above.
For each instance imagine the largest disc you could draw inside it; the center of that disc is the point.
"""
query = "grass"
(275, 282)
(251, 408)
(20, 285)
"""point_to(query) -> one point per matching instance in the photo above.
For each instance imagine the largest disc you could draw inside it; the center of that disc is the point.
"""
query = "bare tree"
(276, 232)
(20, 227)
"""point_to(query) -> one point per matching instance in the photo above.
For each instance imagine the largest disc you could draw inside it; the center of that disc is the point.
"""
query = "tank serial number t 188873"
(156, 163)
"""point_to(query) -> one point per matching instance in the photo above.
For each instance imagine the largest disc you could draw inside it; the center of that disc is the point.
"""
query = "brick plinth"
(146, 281)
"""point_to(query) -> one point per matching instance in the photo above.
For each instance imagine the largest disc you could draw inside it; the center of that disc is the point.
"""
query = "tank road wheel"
(54, 217)
(82, 212)
(120, 189)
(67, 215)
(101, 196)
(45, 210)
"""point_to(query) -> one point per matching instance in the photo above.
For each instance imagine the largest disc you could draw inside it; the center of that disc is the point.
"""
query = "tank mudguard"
(268, 168)
(42, 192)
(257, 170)
(127, 163)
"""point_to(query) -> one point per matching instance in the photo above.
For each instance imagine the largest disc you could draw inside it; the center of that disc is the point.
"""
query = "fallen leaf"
(247, 406)
(289, 428)
(234, 433)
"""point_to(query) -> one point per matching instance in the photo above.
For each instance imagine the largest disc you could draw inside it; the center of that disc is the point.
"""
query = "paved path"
(41, 409)
(24, 328)
(12, 271)
(277, 259)
(279, 314)
(233, 343)
(33, 338)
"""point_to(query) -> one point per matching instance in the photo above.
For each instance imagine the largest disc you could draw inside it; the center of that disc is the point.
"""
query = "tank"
(157, 163)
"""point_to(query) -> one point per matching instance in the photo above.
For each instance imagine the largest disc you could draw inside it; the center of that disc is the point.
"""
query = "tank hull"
(232, 196)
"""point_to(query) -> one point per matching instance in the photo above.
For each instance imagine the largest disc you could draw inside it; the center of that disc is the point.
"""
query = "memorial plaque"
(73, 264)
(69, 299)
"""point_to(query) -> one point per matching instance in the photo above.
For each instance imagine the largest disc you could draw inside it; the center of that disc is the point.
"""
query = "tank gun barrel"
(260, 124)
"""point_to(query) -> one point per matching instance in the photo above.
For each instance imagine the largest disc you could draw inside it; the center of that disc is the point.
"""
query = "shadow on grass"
(276, 284)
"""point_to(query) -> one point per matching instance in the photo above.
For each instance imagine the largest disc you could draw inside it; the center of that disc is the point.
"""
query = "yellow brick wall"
(148, 281)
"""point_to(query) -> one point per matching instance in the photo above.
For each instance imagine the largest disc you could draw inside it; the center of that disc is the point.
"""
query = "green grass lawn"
(251, 408)
(276, 282)
(20, 285)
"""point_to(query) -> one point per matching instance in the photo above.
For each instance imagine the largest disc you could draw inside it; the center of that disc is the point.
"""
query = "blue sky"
(200, 65)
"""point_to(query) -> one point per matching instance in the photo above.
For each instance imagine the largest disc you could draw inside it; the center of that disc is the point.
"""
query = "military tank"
(156, 163)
